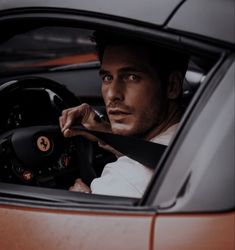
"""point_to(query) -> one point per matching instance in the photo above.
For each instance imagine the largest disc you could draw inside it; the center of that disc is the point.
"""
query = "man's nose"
(116, 91)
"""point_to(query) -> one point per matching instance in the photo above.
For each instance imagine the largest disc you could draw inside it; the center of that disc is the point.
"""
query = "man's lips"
(118, 112)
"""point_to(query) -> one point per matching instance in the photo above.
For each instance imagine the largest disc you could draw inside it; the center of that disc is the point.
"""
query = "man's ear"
(174, 87)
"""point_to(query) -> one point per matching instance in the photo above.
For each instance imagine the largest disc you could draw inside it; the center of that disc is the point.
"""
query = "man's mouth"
(118, 112)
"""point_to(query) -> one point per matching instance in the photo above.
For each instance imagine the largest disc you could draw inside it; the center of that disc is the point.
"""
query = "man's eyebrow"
(103, 72)
(125, 69)
(131, 69)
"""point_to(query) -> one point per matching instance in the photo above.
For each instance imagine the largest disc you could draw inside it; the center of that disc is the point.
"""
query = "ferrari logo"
(43, 143)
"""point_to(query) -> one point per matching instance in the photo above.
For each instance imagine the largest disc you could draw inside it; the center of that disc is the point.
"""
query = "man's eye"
(107, 78)
(133, 78)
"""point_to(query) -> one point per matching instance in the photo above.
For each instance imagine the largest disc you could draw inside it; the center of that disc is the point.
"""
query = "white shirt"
(126, 177)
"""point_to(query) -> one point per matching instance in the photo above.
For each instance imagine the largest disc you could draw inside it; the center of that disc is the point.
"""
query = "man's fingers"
(85, 115)
(74, 132)
(68, 117)
(80, 186)
(63, 117)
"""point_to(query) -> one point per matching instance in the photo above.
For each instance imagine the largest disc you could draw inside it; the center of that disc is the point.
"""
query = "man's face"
(131, 90)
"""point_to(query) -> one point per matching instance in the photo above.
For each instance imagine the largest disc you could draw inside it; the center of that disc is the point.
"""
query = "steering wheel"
(32, 147)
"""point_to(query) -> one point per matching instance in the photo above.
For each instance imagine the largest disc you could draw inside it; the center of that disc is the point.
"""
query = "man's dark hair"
(165, 60)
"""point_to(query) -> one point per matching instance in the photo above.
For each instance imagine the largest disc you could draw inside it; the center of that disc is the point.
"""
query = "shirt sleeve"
(125, 177)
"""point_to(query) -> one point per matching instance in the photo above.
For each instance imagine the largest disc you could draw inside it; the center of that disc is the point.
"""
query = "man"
(141, 88)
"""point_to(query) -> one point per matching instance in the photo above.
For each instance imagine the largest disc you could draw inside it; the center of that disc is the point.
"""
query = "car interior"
(45, 69)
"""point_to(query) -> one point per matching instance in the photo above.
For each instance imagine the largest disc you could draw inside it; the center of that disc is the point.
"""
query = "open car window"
(68, 56)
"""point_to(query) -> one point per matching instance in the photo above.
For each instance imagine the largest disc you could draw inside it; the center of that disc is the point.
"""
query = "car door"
(199, 211)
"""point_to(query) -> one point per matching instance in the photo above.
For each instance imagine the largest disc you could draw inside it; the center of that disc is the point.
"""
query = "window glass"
(46, 47)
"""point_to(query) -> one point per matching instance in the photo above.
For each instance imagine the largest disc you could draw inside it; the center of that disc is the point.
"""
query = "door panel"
(34, 228)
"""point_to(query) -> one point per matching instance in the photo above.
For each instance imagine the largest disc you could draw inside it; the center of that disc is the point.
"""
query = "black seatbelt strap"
(145, 152)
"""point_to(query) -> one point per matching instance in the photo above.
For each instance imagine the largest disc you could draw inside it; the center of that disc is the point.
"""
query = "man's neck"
(173, 117)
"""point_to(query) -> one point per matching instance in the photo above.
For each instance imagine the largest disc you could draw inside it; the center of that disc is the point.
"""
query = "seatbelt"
(145, 152)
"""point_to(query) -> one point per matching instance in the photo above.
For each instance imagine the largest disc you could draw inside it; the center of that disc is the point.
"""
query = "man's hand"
(80, 186)
(85, 115)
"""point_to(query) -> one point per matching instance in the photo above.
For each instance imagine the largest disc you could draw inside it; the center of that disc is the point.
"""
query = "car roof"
(150, 11)
(206, 18)
(214, 19)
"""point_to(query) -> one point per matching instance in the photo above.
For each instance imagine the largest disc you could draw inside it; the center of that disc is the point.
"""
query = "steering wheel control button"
(27, 175)
(43, 144)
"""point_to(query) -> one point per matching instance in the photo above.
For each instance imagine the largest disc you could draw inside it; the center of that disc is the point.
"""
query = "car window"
(68, 56)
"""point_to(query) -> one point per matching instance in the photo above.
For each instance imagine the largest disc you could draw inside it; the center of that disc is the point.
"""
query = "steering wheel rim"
(58, 94)
(16, 84)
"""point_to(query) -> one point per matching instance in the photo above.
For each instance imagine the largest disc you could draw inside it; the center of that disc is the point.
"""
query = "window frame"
(163, 180)
(166, 37)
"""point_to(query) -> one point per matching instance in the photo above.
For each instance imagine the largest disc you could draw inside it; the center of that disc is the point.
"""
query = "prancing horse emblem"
(43, 143)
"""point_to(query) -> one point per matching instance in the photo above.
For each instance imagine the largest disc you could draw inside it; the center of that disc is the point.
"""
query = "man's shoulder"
(166, 136)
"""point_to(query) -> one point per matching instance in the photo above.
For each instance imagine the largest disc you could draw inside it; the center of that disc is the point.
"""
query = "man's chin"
(123, 129)
(129, 130)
